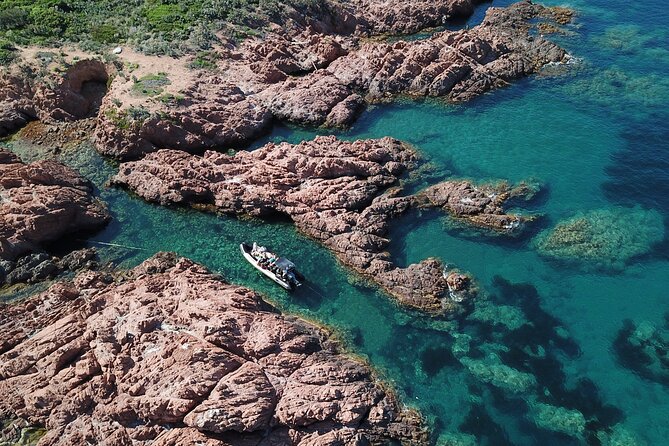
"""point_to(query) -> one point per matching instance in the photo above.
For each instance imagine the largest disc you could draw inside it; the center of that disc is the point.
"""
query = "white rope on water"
(314, 290)
(117, 245)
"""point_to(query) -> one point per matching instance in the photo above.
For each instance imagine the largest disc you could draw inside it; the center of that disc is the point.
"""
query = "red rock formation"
(172, 355)
(310, 78)
(16, 104)
(317, 73)
(398, 17)
(75, 94)
(41, 202)
(481, 205)
(332, 190)
(458, 65)
(215, 113)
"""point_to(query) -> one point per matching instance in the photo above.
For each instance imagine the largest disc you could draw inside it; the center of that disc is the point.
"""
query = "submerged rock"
(644, 349)
(559, 419)
(38, 267)
(618, 435)
(491, 370)
(450, 439)
(31, 269)
(173, 355)
(19, 433)
(509, 316)
(604, 239)
(619, 89)
(333, 190)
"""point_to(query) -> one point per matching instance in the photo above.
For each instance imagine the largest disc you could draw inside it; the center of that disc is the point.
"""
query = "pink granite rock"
(313, 75)
(171, 355)
(332, 189)
(75, 94)
(41, 202)
(397, 17)
(16, 104)
(479, 205)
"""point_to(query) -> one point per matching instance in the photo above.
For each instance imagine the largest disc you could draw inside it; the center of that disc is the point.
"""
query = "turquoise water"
(597, 138)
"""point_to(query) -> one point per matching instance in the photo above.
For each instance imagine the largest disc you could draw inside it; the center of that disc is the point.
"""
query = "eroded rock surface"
(603, 239)
(644, 349)
(16, 105)
(315, 76)
(458, 65)
(78, 93)
(41, 202)
(40, 266)
(74, 94)
(334, 191)
(319, 71)
(397, 17)
(215, 112)
(172, 355)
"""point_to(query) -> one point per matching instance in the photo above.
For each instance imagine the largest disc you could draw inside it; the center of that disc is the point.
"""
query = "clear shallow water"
(596, 137)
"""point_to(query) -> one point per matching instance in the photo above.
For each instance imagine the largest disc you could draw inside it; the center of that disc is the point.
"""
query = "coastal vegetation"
(7, 51)
(170, 27)
(132, 117)
(150, 85)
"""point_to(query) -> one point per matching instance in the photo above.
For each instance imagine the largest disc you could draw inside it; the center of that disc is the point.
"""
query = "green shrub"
(204, 60)
(133, 117)
(158, 26)
(13, 18)
(171, 99)
(165, 18)
(7, 52)
(118, 118)
(105, 33)
(139, 114)
(151, 84)
(47, 21)
(131, 66)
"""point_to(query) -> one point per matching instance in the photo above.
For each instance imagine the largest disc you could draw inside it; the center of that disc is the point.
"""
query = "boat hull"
(246, 252)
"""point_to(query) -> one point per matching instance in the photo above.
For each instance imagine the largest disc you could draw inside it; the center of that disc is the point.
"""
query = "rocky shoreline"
(324, 79)
(42, 202)
(320, 73)
(169, 352)
(342, 194)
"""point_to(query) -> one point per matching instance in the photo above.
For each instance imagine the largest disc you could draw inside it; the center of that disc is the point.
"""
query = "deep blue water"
(535, 361)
